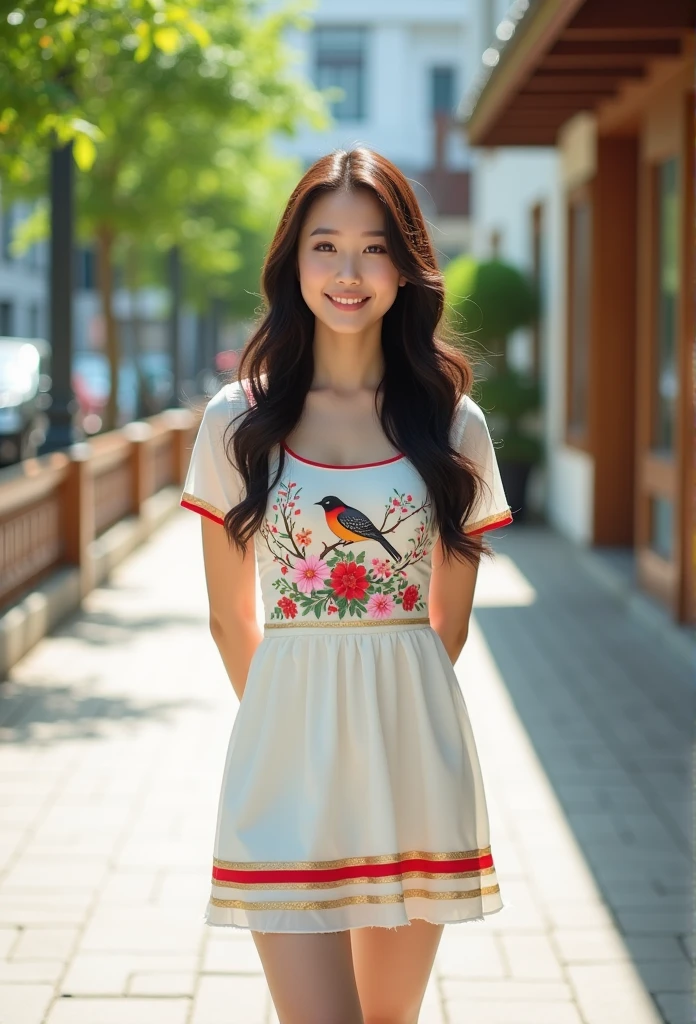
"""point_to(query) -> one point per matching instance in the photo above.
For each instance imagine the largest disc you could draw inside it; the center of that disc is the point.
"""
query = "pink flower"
(404, 509)
(275, 507)
(304, 537)
(381, 570)
(380, 606)
(395, 501)
(309, 573)
(291, 504)
(409, 497)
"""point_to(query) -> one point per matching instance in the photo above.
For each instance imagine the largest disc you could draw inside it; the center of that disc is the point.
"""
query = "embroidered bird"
(351, 524)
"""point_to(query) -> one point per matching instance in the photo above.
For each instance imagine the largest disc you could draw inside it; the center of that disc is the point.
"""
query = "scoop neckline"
(328, 465)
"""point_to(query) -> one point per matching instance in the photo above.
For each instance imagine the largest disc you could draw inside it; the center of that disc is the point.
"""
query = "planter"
(515, 476)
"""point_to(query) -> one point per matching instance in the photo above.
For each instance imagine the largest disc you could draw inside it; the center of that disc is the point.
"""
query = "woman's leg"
(310, 977)
(392, 967)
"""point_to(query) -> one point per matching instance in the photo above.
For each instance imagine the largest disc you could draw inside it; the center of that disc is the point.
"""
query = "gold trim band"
(353, 900)
(199, 503)
(347, 862)
(352, 623)
(495, 518)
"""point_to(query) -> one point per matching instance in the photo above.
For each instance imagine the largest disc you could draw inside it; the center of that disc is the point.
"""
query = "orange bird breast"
(335, 526)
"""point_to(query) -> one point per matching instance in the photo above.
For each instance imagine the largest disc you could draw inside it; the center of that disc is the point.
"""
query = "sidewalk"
(113, 734)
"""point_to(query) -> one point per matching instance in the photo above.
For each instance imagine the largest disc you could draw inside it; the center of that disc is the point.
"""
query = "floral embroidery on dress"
(334, 579)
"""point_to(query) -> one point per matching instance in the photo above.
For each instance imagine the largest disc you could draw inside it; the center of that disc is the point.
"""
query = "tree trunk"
(143, 402)
(105, 243)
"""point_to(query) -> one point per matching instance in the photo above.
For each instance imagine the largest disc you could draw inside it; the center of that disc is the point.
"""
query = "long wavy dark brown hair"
(424, 378)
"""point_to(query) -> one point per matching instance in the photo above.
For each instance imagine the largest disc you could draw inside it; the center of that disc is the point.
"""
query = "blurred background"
(147, 148)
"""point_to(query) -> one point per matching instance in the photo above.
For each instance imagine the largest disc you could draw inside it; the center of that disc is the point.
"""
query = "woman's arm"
(231, 582)
(450, 599)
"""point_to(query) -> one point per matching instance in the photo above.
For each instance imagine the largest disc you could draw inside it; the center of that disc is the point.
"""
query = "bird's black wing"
(354, 520)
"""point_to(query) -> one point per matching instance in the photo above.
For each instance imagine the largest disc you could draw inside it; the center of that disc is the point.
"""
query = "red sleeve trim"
(202, 511)
(493, 523)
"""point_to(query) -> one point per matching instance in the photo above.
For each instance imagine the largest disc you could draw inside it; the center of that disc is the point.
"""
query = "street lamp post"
(60, 432)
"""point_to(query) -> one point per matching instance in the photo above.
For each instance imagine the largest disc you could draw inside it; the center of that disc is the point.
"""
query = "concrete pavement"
(113, 733)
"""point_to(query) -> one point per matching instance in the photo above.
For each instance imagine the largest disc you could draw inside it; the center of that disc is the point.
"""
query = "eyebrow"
(334, 231)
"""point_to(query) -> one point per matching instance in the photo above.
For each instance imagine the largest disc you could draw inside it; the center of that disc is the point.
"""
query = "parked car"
(24, 385)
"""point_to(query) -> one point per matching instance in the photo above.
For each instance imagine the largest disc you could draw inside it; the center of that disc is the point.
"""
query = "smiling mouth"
(347, 302)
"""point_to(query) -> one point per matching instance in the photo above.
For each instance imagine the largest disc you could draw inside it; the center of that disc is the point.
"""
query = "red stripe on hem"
(353, 871)
(490, 526)
(328, 465)
(201, 511)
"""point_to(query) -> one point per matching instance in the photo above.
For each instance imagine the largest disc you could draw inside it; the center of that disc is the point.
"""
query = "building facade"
(601, 96)
(399, 70)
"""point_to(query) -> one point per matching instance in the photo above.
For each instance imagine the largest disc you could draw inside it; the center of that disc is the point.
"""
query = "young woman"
(352, 821)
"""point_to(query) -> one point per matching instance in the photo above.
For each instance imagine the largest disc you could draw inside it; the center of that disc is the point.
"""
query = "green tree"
(169, 105)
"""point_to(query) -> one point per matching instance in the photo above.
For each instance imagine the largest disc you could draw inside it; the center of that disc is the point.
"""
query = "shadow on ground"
(610, 710)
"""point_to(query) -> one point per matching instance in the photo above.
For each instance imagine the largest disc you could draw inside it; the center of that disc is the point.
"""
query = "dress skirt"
(352, 793)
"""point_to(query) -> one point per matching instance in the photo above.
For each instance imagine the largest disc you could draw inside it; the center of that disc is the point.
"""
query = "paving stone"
(612, 992)
(34, 971)
(100, 974)
(236, 999)
(119, 1011)
(463, 956)
(676, 1007)
(24, 1004)
(531, 957)
(44, 944)
(238, 957)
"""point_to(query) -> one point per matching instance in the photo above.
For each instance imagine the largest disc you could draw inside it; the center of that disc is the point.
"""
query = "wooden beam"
(535, 34)
(596, 48)
(647, 14)
(626, 64)
(620, 33)
(601, 85)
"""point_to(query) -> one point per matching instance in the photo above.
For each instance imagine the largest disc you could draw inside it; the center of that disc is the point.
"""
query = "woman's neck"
(347, 362)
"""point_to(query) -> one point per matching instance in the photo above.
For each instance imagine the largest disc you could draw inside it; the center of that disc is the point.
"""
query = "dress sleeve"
(472, 438)
(213, 485)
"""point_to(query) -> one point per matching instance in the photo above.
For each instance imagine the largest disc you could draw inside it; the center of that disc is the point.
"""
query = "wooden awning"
(568, 56)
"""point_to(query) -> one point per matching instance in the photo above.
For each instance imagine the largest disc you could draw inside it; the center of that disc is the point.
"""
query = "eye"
(380, 248)
(318, 248)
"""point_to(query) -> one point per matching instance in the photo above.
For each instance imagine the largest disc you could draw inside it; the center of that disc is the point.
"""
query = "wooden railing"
(54, 506)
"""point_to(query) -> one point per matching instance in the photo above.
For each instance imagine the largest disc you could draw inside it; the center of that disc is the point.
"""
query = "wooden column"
(613, 333)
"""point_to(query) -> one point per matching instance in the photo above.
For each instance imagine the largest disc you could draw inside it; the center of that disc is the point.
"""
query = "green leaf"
(167, 39)
(361, 557)
(317, 610)
(84, 152)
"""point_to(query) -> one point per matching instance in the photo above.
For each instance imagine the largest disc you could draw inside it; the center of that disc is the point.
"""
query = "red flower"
(349, 580)
(298, 511)
(275, 507)
(283, 569)
(288, 607)
(291, 504)
(410, 596)
(284, 493)
(332, 608)
(395, 501)
(409, 497)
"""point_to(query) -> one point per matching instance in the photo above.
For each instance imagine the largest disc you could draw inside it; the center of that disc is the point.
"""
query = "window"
(340, 61)
(6, 319)
(442, 90)
(6, 232)
(34, 320)
(667, 303)
(579, 303)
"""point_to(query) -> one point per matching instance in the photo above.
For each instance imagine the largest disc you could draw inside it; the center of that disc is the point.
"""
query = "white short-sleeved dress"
(351, 793)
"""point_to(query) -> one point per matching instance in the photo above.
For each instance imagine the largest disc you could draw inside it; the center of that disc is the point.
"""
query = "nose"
(349, 272)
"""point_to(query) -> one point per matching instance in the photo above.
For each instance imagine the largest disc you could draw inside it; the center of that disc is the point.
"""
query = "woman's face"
(342, 255)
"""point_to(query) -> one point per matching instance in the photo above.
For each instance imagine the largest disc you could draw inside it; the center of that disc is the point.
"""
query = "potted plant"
(487, 301)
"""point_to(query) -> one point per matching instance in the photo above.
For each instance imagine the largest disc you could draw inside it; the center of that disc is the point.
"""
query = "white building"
(401, 68)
